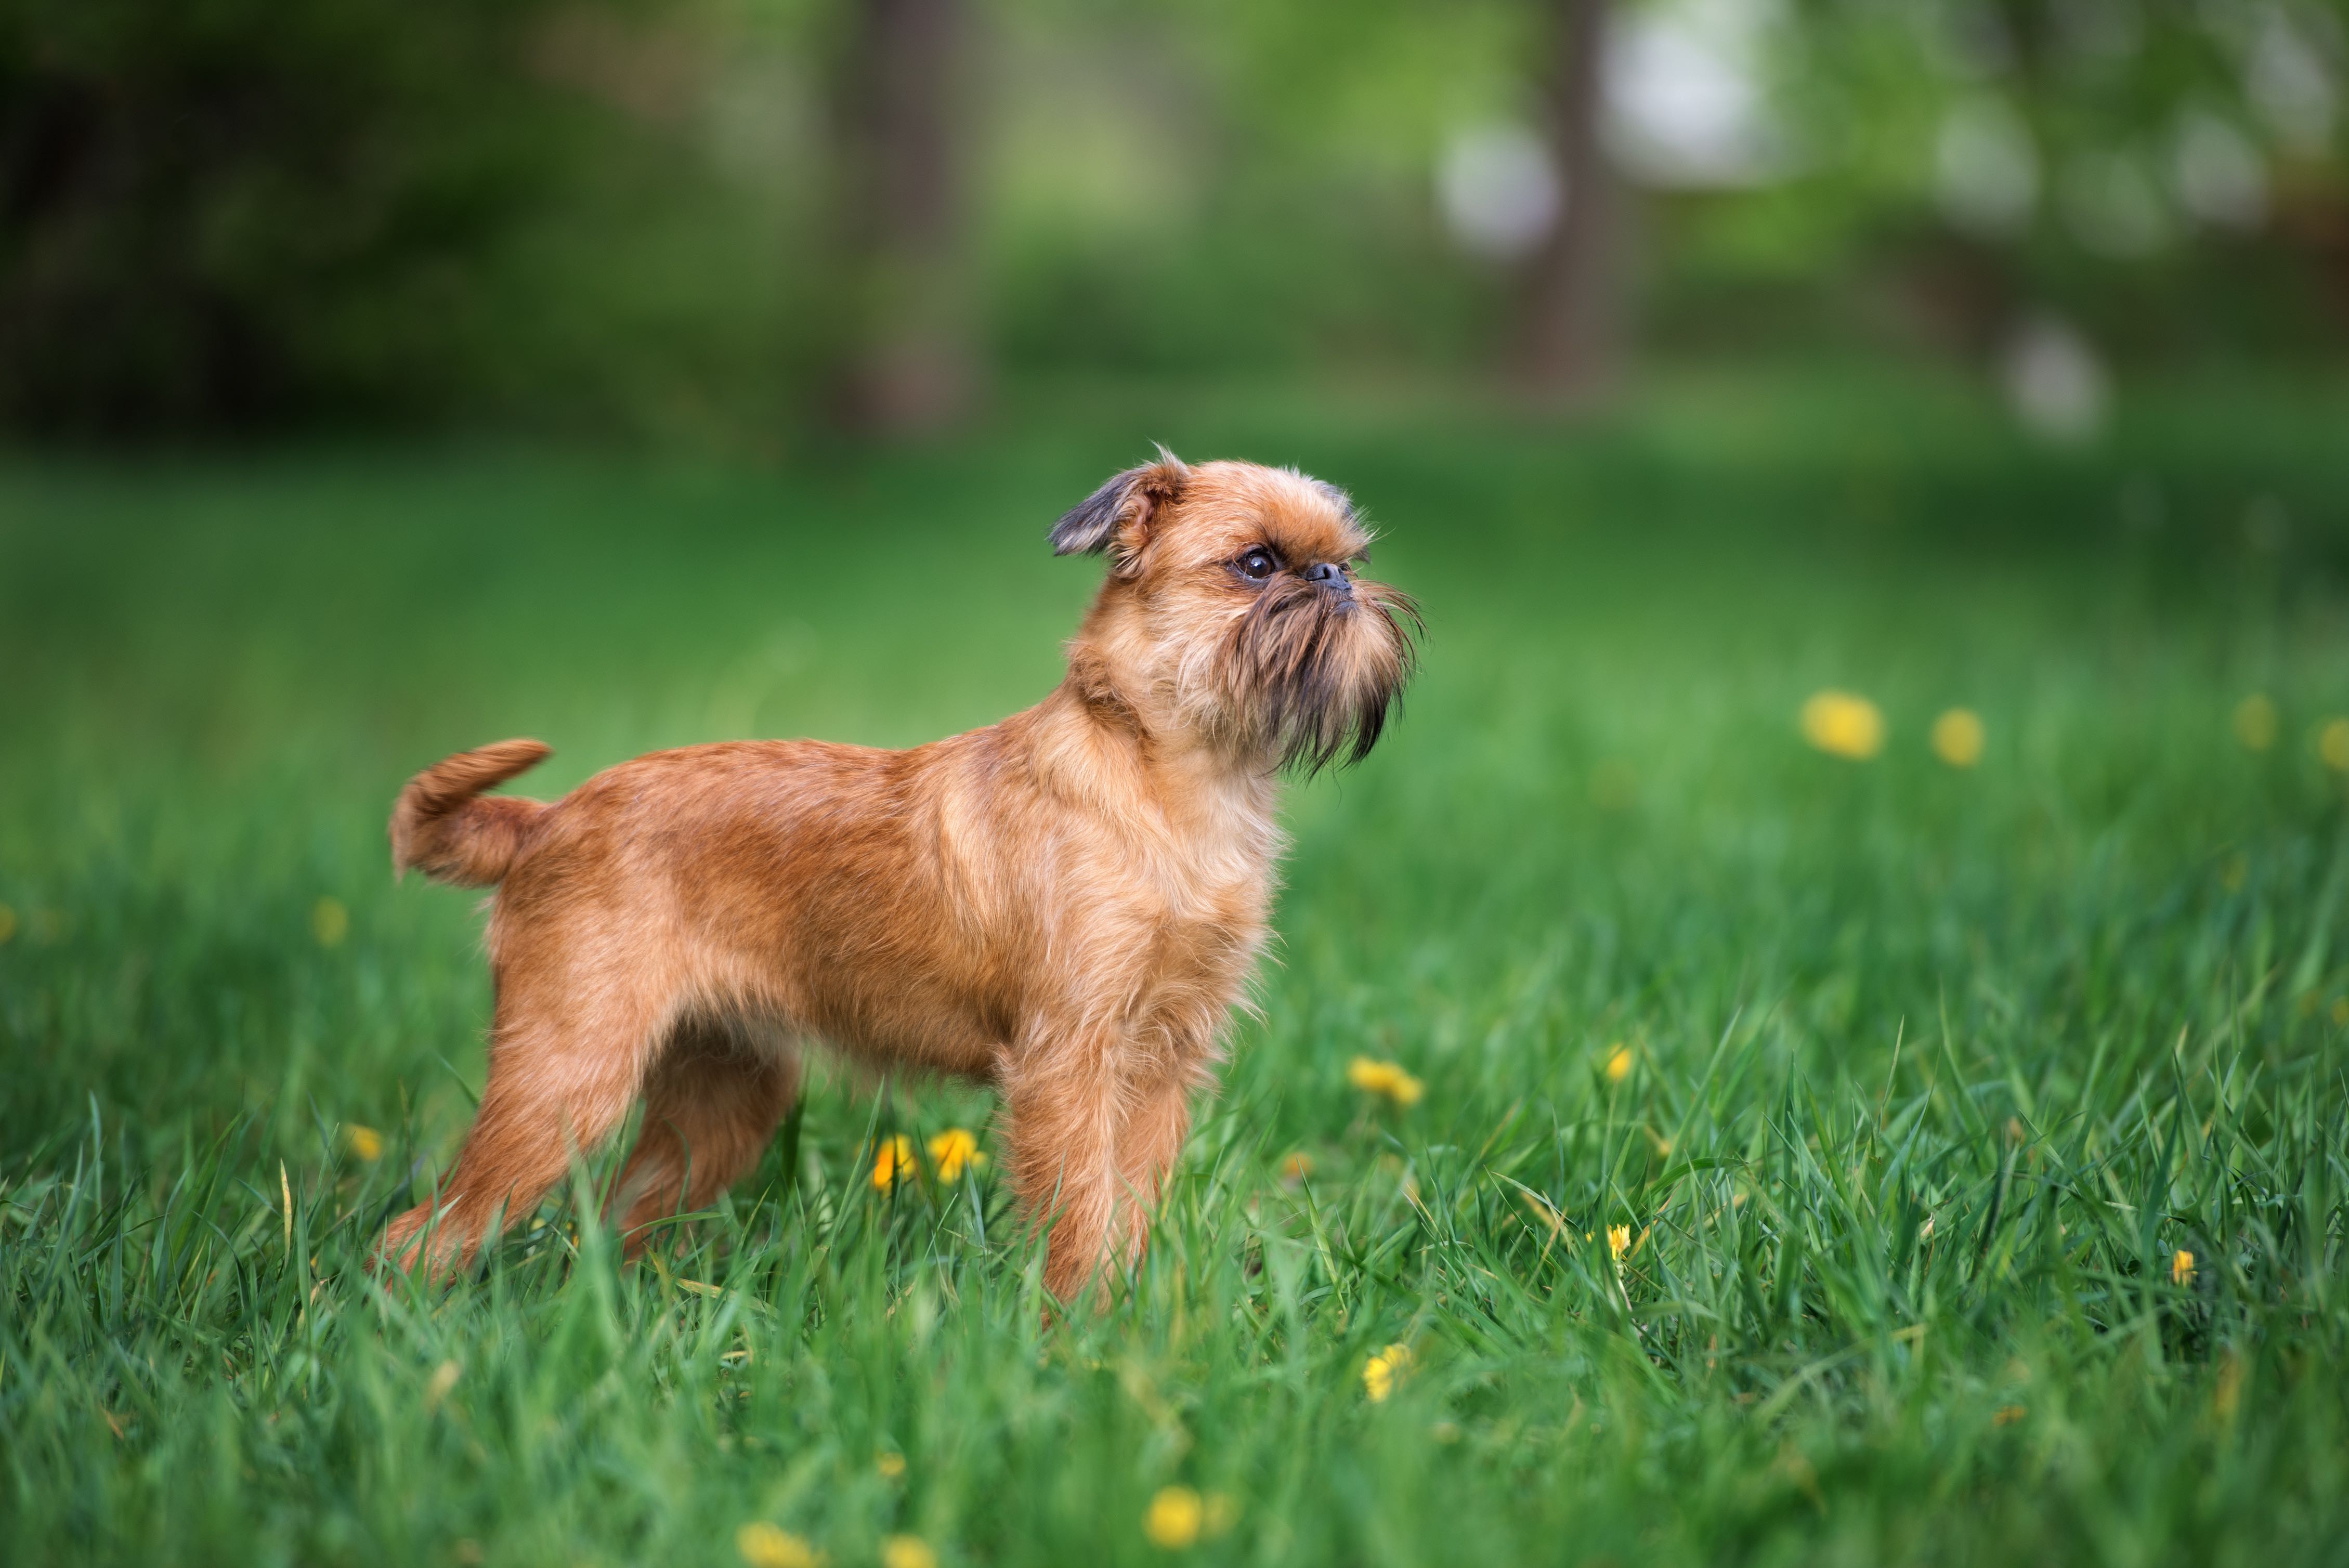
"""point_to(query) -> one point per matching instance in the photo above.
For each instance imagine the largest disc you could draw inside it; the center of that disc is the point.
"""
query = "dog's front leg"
(1093, 1127)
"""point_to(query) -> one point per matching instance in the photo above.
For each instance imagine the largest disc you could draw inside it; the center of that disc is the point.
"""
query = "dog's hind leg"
(568, 1053)
(711, 1107)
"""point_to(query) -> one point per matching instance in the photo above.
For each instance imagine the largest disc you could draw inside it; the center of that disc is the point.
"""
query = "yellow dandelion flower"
(2181, 1269)
(1174, 1517)
(444, 1378)
(1385, 1078)
(2007, 1415)
(908, 1551)
(763, 1545)
(1296, 1167)
(7, 924)
(953, 1152)
(365, 1143)
(1958, 738)
(1618, 1063)
(1843, 725)
(2332, 745)
(329, 921)
(1381, 1372)
(890, 1463)
(2255, 721)
(894, 1161)
(1618, 1241)
(2230, 1391)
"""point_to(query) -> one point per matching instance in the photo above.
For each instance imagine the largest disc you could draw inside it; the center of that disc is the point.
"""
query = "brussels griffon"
(1066, 904)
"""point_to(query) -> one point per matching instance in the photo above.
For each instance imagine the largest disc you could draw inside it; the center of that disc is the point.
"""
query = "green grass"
(1935, 1073)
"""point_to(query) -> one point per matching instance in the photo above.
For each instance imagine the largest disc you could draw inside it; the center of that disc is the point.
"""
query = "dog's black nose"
(1329, 574)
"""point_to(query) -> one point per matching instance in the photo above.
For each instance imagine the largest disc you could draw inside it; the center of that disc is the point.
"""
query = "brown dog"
(1067, 903)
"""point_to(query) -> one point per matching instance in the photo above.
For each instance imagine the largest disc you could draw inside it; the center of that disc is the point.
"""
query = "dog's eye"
(1257, 564)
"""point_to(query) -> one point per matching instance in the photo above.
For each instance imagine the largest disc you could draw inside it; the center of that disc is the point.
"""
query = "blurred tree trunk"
(1571, 340)
(907, 362)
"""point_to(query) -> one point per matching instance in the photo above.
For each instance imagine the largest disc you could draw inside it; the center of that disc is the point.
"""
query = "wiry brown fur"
(1066, 904)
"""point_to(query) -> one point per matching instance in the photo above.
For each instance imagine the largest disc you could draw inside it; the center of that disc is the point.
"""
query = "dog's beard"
(1310, 677)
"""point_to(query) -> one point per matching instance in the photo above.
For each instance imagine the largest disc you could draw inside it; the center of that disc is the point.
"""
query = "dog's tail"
(443, 827)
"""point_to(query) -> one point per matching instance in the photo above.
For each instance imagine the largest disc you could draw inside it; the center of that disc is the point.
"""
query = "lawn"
(1819, 1159)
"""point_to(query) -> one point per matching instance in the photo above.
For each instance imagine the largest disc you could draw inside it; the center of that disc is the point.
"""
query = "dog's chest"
(1208, 897)
(1217, 915)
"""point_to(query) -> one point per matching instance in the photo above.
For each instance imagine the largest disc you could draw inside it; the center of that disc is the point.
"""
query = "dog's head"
(1232, 608)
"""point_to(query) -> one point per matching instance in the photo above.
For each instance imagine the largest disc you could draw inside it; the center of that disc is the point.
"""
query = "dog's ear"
(1119, 513)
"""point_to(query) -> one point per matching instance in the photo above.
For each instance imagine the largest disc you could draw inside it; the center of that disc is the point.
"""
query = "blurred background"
(750, 224)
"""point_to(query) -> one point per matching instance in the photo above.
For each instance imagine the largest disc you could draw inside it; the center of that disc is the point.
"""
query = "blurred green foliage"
(214, 207)
(231, 213)
(604, 214)
(2170, 176)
